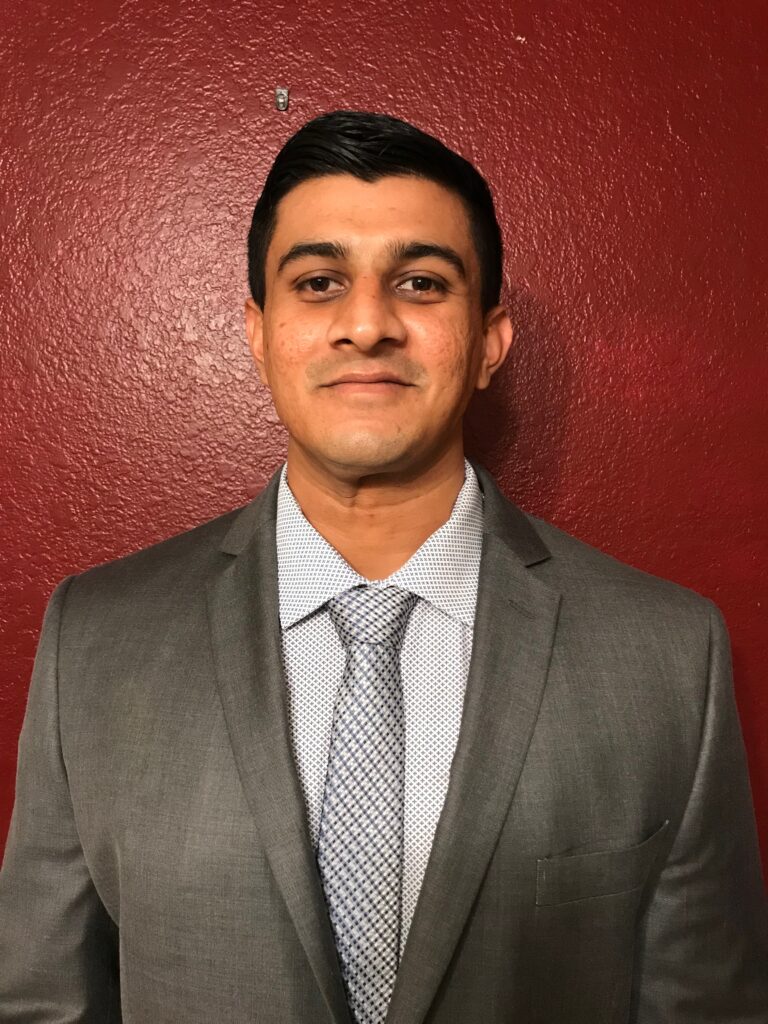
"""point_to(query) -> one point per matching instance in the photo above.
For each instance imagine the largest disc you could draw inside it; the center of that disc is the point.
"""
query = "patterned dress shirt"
(435, 657)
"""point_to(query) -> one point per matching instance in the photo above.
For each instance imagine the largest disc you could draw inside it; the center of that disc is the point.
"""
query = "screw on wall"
(281, 99)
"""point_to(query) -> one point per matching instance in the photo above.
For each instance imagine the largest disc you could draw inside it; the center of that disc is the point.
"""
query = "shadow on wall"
(517, 428)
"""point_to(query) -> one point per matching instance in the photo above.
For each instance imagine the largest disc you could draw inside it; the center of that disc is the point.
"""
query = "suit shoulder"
(585, 572)
(184, 555)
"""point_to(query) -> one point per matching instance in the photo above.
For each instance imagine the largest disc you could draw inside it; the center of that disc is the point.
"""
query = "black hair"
(373, 146)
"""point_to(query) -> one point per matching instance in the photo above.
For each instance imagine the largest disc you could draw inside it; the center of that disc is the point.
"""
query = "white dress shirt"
(434, 659)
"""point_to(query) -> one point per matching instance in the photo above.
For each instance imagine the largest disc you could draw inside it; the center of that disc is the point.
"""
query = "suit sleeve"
(703, 953)
(58, 946)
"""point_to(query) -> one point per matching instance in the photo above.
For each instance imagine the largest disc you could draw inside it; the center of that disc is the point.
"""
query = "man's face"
(372, 339)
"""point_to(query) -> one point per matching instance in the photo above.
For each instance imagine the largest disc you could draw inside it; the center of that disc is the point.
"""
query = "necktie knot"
(372, 615)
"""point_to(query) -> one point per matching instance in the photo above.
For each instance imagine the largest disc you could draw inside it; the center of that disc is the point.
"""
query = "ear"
(254, 328)
(497, 341)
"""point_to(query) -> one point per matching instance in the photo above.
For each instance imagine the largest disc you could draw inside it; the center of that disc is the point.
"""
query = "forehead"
(344, 208)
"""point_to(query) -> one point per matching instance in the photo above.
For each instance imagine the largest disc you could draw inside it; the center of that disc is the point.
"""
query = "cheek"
(447, 359)
(286, 360)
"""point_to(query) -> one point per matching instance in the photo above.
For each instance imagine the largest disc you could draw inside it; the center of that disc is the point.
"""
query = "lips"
(368, 378)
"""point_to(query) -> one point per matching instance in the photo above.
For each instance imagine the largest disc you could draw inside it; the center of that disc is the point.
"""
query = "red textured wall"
(626, 145)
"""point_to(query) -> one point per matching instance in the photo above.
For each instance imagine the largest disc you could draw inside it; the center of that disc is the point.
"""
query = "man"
(379, 745)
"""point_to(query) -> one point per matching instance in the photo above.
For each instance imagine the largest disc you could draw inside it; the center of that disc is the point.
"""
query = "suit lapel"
(514, 632)
(243, 608)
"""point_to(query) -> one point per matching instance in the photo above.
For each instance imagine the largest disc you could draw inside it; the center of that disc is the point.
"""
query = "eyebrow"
(327, 250)
(399, 252)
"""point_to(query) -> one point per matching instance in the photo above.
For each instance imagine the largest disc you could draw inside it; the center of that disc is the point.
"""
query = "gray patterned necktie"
(360, 843)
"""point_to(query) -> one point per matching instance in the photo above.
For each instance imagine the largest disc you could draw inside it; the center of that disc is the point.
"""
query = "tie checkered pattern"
(360, 842)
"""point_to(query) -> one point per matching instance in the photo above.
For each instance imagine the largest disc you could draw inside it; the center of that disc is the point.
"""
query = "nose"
(366, 316)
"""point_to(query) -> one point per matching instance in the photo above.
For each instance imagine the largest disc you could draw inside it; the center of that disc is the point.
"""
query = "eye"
(423, 285)
(318, 285)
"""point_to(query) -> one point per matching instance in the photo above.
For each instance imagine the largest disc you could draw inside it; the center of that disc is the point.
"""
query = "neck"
(376, 521)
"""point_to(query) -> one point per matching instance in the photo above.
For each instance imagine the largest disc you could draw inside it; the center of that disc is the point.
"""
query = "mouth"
(367, 380)
(371, 384)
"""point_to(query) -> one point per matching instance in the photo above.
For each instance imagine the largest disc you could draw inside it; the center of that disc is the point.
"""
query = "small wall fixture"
(281, 99)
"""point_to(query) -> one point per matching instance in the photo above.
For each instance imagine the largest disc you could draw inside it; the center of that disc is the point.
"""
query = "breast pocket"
(585, 875)
(587, 910)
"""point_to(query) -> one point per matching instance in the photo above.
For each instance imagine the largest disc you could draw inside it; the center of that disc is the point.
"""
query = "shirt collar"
(444, 571)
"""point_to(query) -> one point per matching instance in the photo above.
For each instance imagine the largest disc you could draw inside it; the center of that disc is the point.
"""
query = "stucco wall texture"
(626, 145)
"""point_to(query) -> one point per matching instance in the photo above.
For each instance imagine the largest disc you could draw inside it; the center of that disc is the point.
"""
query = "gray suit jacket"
(595, 860)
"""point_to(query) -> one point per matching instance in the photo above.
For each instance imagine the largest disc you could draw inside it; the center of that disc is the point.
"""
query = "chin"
(367, 455)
